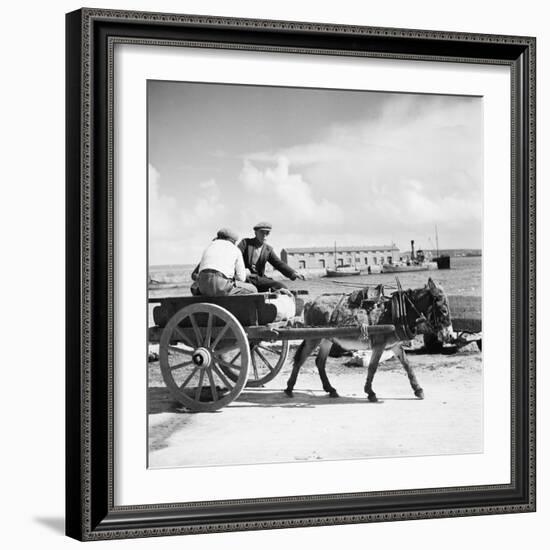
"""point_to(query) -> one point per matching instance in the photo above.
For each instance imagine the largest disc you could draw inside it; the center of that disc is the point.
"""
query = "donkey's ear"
(431, 285)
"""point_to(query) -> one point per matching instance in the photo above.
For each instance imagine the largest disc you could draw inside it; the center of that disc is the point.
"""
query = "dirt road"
(266, 426)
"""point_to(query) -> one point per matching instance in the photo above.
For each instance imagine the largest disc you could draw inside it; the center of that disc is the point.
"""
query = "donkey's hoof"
(419, 393)
(333, 393)
(289, 393)
(372, 398)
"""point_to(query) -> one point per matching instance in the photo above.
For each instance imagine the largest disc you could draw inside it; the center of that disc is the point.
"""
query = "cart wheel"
(267, 361)
(192, 359)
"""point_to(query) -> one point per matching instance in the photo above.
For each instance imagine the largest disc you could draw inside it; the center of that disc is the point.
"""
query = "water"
(464, 278)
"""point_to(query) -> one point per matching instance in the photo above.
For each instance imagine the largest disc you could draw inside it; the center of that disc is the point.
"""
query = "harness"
(399, 301)
(399, 316)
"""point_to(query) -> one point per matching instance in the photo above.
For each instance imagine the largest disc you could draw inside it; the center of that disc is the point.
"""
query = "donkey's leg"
(321, 362)
(377, 350)
(302, 353)
(400, 354)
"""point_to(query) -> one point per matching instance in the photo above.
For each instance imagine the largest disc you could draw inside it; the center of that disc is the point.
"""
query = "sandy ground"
(266, 426)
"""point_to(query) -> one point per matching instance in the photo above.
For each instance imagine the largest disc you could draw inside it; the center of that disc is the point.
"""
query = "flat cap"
(263, 225)
(226, 233)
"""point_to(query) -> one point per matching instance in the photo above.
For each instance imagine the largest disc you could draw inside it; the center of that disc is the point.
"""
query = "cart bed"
(249, 309)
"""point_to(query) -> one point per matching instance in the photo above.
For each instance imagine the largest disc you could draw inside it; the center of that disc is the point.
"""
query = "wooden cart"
(211, 348)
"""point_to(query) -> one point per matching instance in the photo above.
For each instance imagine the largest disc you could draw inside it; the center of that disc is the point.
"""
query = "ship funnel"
(412, 250)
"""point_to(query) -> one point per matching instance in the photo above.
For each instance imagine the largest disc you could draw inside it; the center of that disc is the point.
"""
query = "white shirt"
(225, 257)
(256, 256)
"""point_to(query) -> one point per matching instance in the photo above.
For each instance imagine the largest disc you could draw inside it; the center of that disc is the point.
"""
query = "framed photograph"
(300, 274)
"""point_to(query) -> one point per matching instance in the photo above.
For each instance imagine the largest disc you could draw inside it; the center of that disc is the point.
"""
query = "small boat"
(343, 271)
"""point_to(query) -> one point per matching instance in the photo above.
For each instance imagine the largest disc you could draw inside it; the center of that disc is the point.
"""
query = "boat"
(341, 270)
(417, 262)
(443, 261)
(403, 267)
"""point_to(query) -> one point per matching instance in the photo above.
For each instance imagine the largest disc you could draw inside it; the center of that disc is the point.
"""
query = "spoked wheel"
(267, 360)
(193, 350)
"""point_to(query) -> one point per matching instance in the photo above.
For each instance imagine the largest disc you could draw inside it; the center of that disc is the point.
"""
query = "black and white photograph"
(300, 276)
(314, 275)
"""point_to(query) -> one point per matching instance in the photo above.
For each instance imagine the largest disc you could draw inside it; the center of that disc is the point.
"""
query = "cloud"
(416, 163)
(180, 229)
(211, 187)
(289, 194)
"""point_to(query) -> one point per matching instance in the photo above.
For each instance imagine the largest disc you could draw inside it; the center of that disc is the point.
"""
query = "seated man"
(221, 271)
(256, 252)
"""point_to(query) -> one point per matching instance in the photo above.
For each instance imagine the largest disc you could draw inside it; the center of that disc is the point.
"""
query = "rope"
(356, 285)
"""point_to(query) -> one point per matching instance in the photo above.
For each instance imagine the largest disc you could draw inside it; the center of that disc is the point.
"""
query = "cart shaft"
(290, 333)
(314, 333)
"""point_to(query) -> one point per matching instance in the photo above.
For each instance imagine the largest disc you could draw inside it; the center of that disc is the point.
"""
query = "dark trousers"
(265, 284)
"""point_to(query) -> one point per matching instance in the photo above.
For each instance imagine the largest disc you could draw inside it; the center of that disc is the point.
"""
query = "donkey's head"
(433, 304)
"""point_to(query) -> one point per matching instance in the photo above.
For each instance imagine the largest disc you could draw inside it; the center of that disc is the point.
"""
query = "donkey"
(420, 311)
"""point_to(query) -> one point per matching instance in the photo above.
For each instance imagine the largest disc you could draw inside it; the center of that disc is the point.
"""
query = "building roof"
(362, 248)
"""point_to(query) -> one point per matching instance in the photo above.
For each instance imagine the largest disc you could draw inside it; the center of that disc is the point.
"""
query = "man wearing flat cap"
(256, 253)
(221, 271)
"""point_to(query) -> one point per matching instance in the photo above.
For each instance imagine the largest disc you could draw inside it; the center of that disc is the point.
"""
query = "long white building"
(327, 257)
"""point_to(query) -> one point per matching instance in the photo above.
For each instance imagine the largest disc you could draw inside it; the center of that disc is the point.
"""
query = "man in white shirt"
(221, 271)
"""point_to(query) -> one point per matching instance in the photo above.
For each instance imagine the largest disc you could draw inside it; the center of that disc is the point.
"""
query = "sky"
(323, 166)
